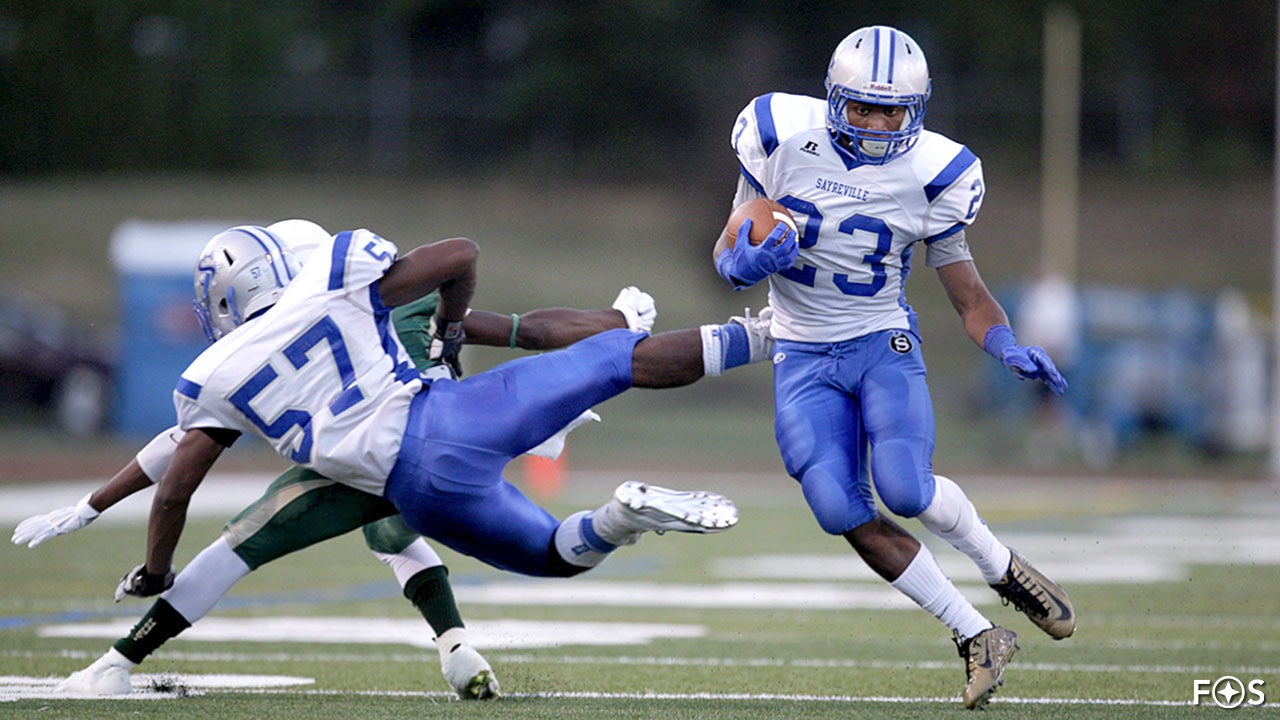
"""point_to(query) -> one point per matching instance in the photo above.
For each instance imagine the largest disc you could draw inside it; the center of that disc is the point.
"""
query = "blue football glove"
(745, 264)
(1027, 362)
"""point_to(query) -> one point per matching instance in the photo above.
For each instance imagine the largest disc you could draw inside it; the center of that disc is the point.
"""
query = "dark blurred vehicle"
(52, 364)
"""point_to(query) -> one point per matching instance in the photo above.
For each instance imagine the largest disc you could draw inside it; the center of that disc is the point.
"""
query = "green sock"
(155, 628)
(431, 593)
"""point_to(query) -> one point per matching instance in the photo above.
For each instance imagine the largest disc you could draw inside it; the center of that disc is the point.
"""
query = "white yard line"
(501, 658)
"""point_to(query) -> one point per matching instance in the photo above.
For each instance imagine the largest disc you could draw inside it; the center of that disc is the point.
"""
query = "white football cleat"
(108, 675)
(469, 674)
(640, 507)
(757, 332)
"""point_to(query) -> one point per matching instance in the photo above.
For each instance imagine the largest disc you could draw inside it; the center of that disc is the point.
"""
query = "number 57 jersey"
(859, 224)
(321, 376)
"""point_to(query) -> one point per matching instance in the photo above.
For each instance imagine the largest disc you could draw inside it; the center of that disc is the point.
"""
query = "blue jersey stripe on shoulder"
(950, 173)
(764, 120)
(338, 260)
(188, 388)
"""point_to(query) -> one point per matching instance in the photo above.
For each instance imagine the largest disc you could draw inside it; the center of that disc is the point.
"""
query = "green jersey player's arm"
(541, 329)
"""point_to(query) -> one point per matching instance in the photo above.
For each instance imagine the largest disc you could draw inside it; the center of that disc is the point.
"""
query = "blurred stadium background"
(586, 148)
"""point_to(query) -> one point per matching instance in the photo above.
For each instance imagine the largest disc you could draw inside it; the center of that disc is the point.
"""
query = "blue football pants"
(447, 482)
(846, 413)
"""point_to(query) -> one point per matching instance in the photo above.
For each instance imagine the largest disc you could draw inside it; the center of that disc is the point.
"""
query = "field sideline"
(1174, 582)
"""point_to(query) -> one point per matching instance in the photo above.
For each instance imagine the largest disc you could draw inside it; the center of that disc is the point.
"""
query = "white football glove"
(639, 308)
(38, 528)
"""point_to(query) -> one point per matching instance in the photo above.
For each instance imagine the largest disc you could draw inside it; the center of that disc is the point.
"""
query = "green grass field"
(1173, 582)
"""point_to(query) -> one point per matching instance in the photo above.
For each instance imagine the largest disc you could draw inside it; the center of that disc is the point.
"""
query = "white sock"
(204, 580)
(579, 541)
(712, 350)
(952, 517)
(924, 582)
(116, 658)
(415, 558)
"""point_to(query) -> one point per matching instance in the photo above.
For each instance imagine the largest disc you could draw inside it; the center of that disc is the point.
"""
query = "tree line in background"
(616, 91)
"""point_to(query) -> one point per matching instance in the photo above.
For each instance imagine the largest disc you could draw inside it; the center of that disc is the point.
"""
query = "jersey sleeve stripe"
(751, 179)
(945, 234)
(764, 120)
(189, 389)
(950, 173)
(338, 260)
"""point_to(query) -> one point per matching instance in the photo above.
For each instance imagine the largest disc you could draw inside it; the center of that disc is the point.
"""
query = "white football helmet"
(302, 236)
(241, 272)
(877, 65)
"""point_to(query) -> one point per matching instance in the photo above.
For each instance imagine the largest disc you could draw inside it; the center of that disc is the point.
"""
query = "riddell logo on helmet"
(879, 86)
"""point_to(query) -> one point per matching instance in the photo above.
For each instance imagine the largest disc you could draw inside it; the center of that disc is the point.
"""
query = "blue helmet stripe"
(950, 173)
(875, 63)
(280, 248)
(893, 48)
(271, 245)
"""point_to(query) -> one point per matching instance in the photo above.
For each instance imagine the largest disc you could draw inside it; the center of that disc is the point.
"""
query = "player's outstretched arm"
(196, 453)
(988, 326)
(140, 473)
(38, 528)
(550, 328)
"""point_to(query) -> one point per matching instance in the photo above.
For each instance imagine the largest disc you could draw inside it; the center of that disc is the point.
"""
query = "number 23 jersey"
(321, 376)
(859, 224)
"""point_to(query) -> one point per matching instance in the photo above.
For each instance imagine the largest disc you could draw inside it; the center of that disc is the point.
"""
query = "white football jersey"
(858, 224)
(321, 376)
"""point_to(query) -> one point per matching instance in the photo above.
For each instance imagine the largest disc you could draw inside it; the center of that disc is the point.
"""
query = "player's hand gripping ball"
(770, 244)
(764, 214)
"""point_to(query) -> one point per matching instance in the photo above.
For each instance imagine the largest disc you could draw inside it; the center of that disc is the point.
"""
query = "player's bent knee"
(389, 535)
(836, 505)
(903, 480)
(905, 499)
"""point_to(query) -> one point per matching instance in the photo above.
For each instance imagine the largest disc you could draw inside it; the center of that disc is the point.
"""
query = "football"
(765, 215)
